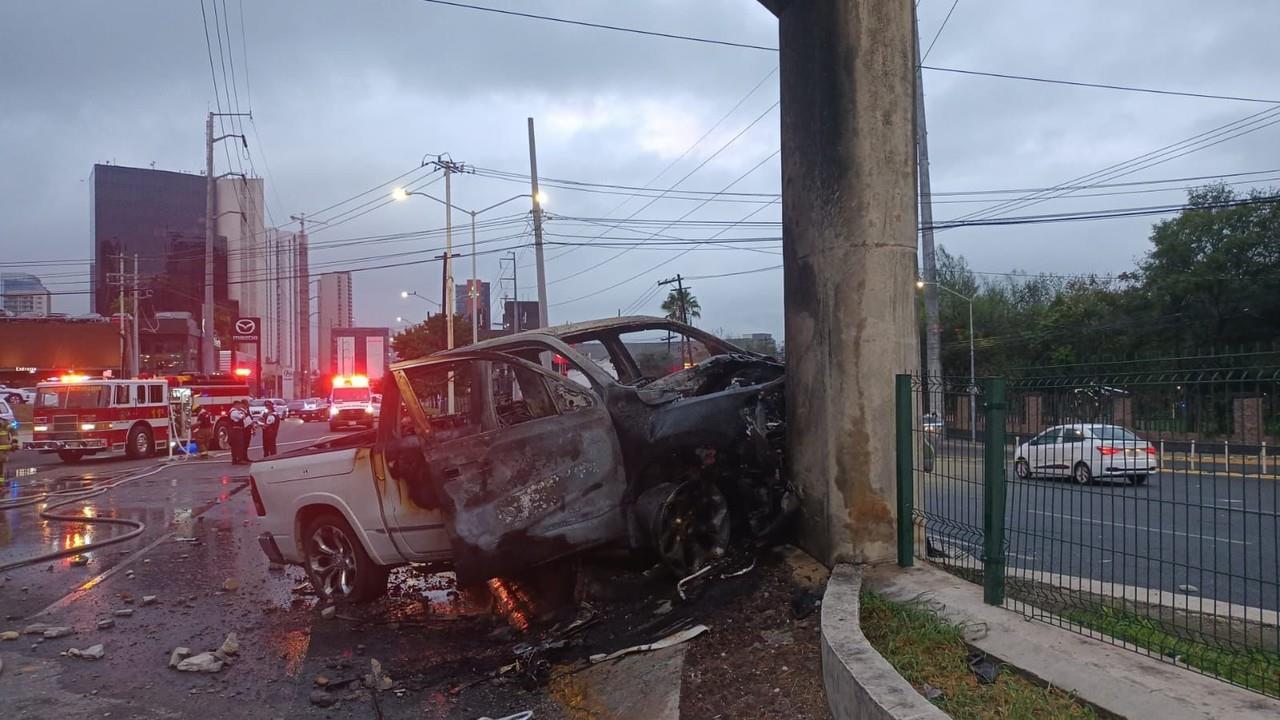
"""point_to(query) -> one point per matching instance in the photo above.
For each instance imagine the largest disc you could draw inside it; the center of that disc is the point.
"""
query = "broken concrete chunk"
(93, 652)
(57, 632)
(106, 624)
(231, 584)
(9, 635)
(125, 612)
(377, 679)
(321, 680)
(35, 629)
(148, 599)
(178, 655)
(206, 662)
(230, 646)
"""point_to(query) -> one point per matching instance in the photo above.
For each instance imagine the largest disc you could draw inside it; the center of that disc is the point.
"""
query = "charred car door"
(415, 527)
(542, 479)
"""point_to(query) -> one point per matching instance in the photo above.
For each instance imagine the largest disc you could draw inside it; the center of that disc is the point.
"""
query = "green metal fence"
(1163, 537)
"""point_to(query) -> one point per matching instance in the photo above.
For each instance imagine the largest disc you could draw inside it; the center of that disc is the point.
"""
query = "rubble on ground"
(93, 652)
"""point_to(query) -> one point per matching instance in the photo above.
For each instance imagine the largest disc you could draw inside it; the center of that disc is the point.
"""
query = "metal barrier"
(1163, 542)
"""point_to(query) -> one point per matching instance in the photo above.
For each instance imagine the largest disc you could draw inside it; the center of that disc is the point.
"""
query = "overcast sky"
(347, 95)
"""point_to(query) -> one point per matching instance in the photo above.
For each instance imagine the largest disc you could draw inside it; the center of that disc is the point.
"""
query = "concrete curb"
(859, 682)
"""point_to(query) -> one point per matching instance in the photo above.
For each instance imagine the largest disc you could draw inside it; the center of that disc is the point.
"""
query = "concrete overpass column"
(849, 231)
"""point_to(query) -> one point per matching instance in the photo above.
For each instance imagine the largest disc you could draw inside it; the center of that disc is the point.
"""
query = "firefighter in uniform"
(203, 434)
(8, 443)
(270, 430)
(236, 435)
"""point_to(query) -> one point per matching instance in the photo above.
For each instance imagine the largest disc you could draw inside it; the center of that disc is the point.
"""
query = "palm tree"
(681, 305)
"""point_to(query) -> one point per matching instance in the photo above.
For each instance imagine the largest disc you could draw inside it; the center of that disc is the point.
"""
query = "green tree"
(430, 337)
(682, 305)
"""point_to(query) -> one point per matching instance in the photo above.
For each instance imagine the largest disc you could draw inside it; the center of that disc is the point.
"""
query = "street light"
(973, 379)
(406, 294)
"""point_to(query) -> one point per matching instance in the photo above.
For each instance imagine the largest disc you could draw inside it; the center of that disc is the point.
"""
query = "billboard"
(59, 345)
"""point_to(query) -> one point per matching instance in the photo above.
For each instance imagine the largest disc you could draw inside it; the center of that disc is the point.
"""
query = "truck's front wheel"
(339, 568)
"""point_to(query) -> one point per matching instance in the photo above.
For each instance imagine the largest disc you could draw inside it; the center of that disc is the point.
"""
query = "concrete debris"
(206, 662)
(321, 680)
(230, 646)
(231, 584)
(323, 699)
(106, 624)
(377, 679)
(57, 632)
(9, 635)
(79, 561)
(93, 652)
(329, 612)
(148, 599)
(777, 638)
(124, 612)
(666, 642)
(178, 655)
(35, 629)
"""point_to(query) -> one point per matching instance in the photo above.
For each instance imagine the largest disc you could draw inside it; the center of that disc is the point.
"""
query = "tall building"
(158, 216)
(334, 298)
(23, 294)
(286, 348)
(465, 304)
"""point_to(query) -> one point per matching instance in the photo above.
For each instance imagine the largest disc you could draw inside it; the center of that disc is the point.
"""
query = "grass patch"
(925, 649)
(1251, 668)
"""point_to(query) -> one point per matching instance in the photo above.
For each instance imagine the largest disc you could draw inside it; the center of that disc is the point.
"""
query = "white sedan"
(1086, 451)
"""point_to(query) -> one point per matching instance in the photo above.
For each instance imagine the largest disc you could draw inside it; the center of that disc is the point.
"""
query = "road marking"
(1138, 527)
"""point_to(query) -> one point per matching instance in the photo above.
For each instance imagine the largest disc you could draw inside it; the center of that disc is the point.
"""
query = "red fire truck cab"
(76, 415)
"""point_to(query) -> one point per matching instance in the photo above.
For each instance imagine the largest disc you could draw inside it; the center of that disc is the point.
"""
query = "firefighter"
(236, 434)
(270, 430)
(8, 443)
(203, 434)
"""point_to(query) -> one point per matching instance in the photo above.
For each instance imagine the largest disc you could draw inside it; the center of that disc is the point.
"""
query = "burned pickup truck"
(491, 459)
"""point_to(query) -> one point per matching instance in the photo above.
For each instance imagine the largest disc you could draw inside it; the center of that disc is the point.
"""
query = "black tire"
(1022, 469)
(221, 436)
(70, 456)
(336, 563)
(1140, 479)
(140, 443)
(1082, 474)
(693, 527)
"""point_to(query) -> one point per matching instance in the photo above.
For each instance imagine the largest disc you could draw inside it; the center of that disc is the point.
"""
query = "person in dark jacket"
(270, 430)
(237, 436)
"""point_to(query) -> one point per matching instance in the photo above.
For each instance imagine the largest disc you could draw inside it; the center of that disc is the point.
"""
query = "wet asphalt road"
(199, 543)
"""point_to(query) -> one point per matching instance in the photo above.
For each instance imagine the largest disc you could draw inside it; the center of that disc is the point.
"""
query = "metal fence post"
(906, 486)
(994, 489)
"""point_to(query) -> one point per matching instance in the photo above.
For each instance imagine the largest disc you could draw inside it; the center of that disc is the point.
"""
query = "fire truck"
(77, 415)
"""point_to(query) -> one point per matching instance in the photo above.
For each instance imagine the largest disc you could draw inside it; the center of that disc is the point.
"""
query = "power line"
(1100, 86)
(938, 34)
(600, 26)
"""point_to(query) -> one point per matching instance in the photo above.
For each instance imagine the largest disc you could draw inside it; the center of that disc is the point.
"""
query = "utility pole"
(304, 304)
(124, 351)
(537, 231)
(685, 354)
(933, 330)
(208, 363)
(515, 290)
(137, 318)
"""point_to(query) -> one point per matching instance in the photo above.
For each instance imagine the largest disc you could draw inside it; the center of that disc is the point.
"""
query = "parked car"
(486, 461)
(932, 423)
(257, 408)
(309, 410)
(17, 396)
(281, 406)
(1085, 452)
(8, 421)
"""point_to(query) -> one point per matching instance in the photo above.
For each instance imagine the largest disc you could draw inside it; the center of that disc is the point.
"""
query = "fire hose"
(74, 496)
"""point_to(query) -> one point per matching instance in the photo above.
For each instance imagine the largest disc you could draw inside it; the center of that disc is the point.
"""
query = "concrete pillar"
(849, 254)
(1247, 425)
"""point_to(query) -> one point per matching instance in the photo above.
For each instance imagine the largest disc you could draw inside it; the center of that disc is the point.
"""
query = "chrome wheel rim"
(695, 527)
(141, 443)
(1083, 476)
(332, 562)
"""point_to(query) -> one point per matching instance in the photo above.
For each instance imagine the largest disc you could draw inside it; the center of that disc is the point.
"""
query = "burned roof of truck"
(572, 332)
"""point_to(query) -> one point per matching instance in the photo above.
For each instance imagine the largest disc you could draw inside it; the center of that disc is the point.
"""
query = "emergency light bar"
(353, 381)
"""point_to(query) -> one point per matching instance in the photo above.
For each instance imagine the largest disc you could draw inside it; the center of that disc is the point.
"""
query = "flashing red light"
(243, 372)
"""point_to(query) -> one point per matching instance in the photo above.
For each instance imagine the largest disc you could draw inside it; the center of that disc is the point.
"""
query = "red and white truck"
(78, 415)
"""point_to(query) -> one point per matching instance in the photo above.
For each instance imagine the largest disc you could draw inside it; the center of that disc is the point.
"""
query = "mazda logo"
(246, 327)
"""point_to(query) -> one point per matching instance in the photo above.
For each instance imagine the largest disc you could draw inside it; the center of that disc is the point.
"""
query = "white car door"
(1040, 452)
(414, 526)
(1074, 447)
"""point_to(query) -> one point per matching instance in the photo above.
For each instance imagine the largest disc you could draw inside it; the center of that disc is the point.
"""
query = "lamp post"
(973, 379)
(473, 292)
(406, 294)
